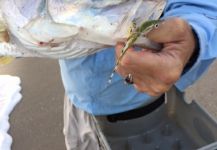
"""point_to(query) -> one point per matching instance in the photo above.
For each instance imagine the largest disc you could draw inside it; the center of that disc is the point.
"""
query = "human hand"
(154, 73)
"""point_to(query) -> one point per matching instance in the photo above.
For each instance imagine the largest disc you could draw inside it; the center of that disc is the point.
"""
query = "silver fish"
(71, 28)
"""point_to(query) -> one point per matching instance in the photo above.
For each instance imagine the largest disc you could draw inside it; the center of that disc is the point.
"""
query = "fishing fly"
(142, 30)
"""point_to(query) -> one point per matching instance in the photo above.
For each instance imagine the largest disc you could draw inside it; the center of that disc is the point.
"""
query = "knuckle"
(140, 89)
(149, 91)
(172, 77)
(157, 91)
(181, 26)
(154, 94)
(166, 88)
(162, 89)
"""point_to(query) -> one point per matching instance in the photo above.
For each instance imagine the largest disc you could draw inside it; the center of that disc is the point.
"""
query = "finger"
(121, 71)
(144, 58)
(159, 89)
(146, 89)
(141, 89)
(142, 84)
(119, 47)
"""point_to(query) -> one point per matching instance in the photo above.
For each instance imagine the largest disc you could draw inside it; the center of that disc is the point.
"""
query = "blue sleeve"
(202, 16)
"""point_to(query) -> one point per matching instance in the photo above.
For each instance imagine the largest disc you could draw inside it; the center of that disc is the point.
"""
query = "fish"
(64, 29)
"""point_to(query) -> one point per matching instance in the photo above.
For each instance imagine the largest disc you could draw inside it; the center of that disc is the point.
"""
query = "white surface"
(9, 97)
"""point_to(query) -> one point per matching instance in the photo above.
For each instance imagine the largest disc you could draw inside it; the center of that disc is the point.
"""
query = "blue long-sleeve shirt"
(85, 79)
